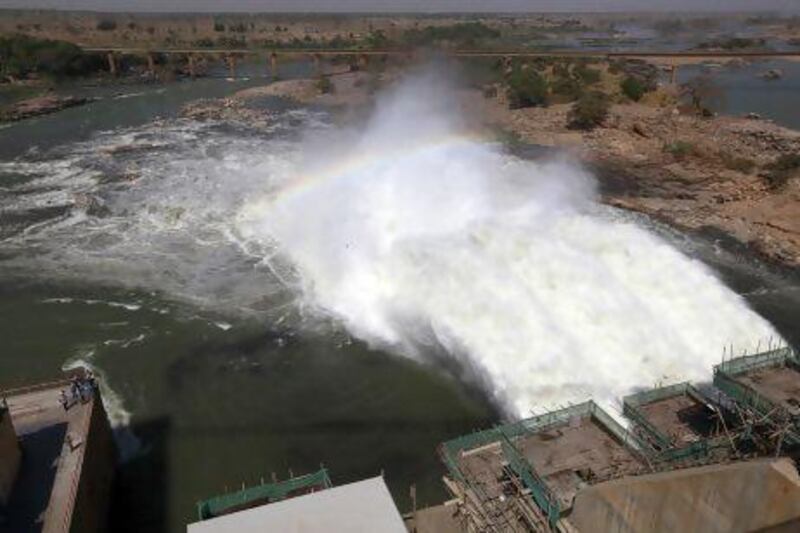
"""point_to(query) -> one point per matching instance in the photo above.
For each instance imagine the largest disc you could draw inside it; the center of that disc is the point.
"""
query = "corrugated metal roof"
(361, 507)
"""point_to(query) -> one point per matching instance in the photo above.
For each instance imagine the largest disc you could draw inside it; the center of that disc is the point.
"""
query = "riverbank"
(687, 171)
(690, 172)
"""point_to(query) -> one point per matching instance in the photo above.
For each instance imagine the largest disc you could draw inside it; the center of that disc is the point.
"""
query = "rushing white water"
(409, 232)
(415, 235)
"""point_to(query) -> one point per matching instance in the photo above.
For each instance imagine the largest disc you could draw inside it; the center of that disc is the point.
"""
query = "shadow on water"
(140, 499)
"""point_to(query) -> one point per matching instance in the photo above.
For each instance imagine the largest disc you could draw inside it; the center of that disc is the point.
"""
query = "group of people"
(81, 389)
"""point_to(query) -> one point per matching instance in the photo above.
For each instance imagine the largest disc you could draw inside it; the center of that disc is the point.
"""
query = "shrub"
(324, 85)
(526, 89)
(106, 25)
(21, 55)
(679, 149)
(632, 88)
(780, 171)
(588, 76)
(590, 110)
(739, 164)
(568, 87)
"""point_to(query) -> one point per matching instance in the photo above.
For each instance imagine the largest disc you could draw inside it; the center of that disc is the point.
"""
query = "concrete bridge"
(231, 55)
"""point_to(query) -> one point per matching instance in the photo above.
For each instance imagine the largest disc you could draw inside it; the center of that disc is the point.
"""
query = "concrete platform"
(749, 496)
(361, 507)
(67, 463)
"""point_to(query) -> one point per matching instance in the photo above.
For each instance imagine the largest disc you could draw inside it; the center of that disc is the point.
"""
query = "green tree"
(590, 110)
(526, 88)
(632, 88)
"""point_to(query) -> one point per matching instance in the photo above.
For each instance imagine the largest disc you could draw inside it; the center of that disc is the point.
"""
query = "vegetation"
(632, 88)
(734, 43)
(106, 25)
(739, 164)
(461, 34)
(779, 172)
(324, 85)
(526, 88)
(590, 110)
(568, 87)
(22, 56)
(680, 149)
(702, 92)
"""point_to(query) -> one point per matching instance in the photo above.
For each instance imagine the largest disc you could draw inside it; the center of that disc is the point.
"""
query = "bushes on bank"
(779, 172)
(324, 85)
(106, 25)
(21, 56)
(526, 88)
(590, 110)
(679, 149)
(632, 88)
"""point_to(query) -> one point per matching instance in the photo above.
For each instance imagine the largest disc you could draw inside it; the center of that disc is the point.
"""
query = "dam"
(57, 457)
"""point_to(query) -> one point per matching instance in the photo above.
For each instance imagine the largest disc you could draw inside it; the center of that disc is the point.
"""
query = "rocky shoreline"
(40, 105)
(690, 172)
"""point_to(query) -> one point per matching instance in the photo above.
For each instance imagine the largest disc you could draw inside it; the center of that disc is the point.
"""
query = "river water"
(260, 299)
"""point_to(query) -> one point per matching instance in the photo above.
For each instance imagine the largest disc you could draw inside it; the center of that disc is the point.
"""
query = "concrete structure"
(68, 458)
(766, 390)
(524, 476)
(10, 455)
(748, 496)
(361, 507)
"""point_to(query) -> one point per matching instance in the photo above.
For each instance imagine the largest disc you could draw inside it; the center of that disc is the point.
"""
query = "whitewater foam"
(509, 265)
(410, 232)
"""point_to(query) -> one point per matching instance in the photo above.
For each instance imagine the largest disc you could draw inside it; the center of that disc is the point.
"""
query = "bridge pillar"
(112, 63)
(151, 64)
(273, 65)
(317, 64)
(191, 66)
(673, 75)
(232, 66)
(363, 61)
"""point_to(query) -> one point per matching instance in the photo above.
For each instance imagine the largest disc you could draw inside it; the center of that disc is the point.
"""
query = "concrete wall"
(10, 455)
(90, 514)
(747, 496)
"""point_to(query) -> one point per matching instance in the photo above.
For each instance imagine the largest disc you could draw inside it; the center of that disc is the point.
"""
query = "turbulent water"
(407, 231)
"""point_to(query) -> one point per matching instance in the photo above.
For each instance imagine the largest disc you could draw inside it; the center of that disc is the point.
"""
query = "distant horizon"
(403, 7)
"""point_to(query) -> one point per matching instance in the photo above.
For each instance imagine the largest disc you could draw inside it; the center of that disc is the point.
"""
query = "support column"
(273, 65)
(317, 64)
(363, 61)
(151, 64)
(112, 64)
(674, 74)
(191, 66)
(232, 66)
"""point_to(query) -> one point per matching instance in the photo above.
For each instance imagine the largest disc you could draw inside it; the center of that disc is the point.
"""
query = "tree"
(526, 88)
(632, 88)
(590, 110)
(702, 92)
(106, 25)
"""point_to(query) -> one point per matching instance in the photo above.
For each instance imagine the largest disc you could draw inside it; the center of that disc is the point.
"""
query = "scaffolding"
(262, 494)
(499, 485)
(766, 394)
(680, 424)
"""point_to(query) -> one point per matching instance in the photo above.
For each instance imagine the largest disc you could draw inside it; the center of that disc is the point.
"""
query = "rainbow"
(357, 163)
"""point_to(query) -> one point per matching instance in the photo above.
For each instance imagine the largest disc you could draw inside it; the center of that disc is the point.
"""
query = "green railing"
(542, 495)
(632, 409)
(505, 434)
(262, 494)
(726, 376)
(747, 363)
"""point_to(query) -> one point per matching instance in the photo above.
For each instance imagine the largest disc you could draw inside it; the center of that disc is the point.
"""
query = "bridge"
(230, 55)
